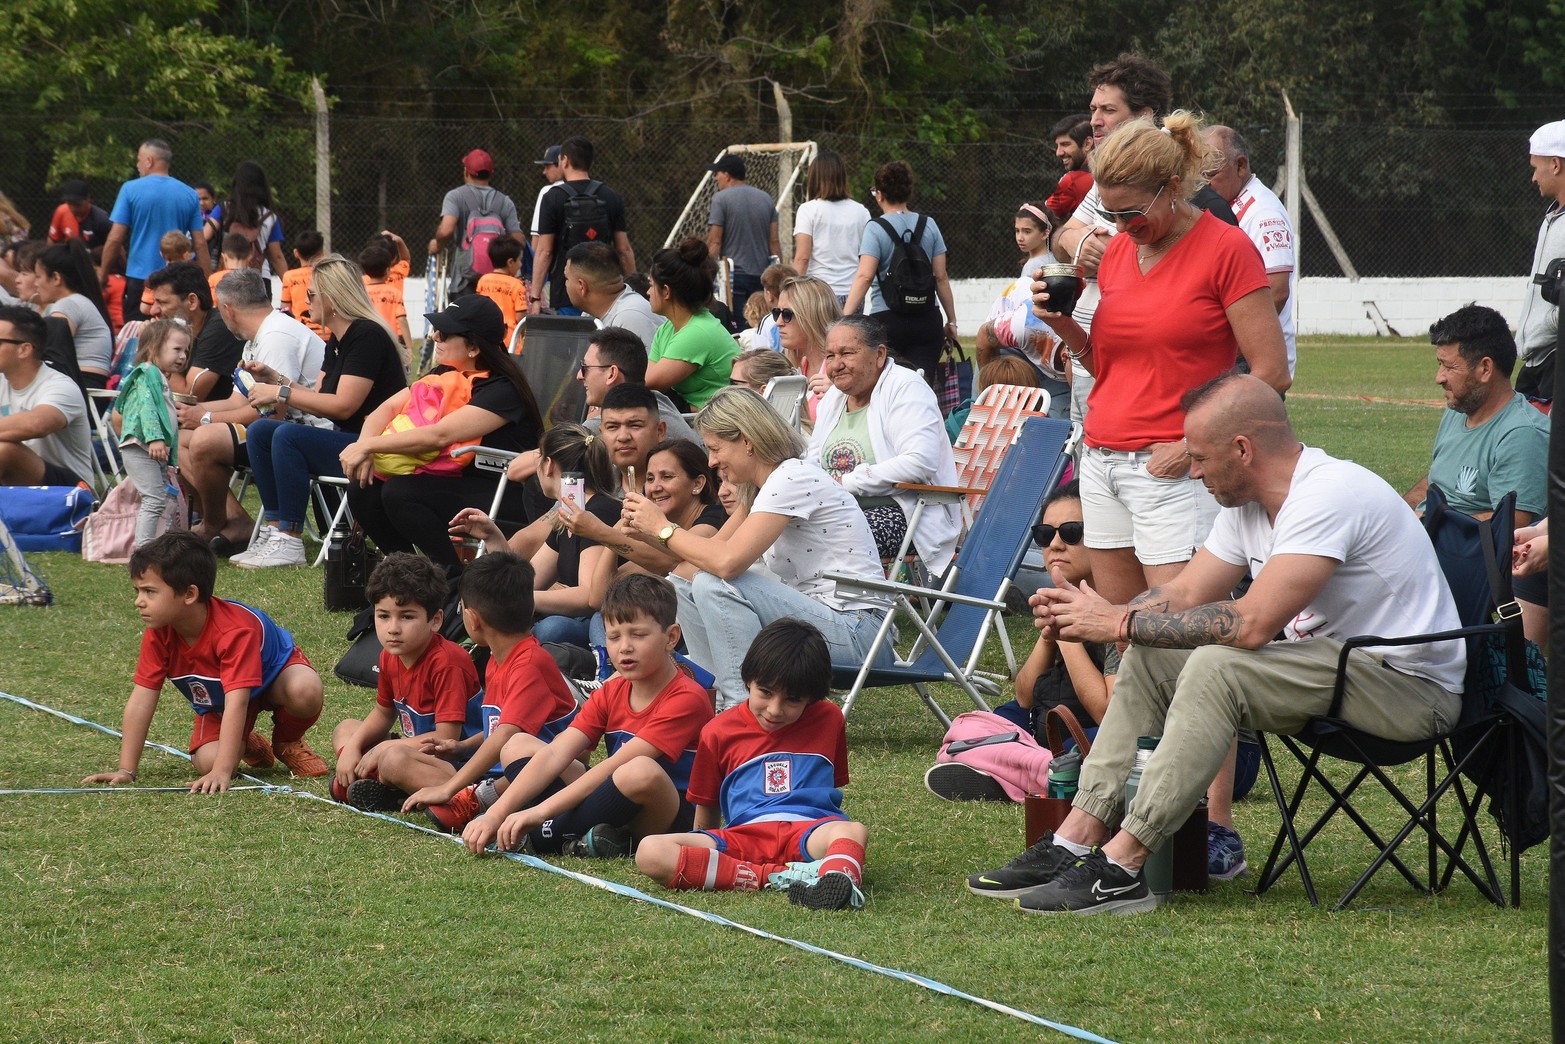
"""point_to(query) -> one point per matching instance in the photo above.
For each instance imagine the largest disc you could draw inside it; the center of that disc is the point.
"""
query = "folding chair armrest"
(487, 457)
(864, 583)
(1362, 640)
(941, 492)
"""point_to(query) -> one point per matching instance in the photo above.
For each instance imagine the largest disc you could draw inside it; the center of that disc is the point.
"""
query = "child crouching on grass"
(776, 762)
(650, 713)
(229, 660)
(425, 683)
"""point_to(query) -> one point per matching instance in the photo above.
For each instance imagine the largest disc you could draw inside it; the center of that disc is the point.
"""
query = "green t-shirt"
(1475, 467)
(705, 344)
(848, 446)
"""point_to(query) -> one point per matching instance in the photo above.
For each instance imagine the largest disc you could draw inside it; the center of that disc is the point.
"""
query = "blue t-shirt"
(879, 244)
(149, 207)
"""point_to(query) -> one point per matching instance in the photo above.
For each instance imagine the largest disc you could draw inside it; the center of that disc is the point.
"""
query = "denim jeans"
(562, 630)
(284, 457)
(720, 618)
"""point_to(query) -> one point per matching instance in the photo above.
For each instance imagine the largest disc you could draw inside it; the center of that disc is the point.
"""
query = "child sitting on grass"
(776, 763)
(425, 683)
(229, 660)
(650, 713)
(526, 702)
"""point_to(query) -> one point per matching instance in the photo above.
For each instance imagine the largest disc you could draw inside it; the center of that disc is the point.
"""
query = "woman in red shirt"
(1184, 296)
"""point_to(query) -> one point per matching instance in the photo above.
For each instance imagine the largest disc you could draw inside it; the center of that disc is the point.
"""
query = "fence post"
(1294, 160)
(322, 163)
(784, 180)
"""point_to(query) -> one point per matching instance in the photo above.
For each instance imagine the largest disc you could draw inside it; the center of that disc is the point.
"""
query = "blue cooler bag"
(46, 518)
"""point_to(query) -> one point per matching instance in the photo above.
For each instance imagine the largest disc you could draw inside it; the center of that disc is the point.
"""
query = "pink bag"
(1016, 761)
(110, 532)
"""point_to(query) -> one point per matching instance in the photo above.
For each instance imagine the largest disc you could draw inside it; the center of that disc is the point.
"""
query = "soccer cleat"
(1090, 885)
(833, 890)
(604, 841)
(796, 872)
(257, 546)
(372, 795)
(258, 752)
(284, 550)
(300, 759)
(455, 814)
(955, 781)
(1224, 853)
(1034, 867)
(338, 791)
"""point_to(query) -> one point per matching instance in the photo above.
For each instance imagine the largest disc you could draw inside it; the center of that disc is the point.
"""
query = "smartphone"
(573, 489)
(987, 741)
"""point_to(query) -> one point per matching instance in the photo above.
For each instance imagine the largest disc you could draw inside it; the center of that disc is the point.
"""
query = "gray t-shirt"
(461, 203)
(70, 447)
(94, 342)
(630, 311)
(745, 214)
(877, 243)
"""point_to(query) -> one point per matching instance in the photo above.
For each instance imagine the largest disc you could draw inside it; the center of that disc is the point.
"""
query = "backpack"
(585, 217)
(110, 532)
(253, 234)
(908, 287)
(483, 226)
(996, 747)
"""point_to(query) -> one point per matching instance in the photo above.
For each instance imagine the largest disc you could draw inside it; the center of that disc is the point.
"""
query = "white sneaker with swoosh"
(1092, 885)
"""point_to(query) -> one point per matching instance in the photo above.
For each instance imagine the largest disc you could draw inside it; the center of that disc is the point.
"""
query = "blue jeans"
(562, 630)
(720, 618)
(284, 457)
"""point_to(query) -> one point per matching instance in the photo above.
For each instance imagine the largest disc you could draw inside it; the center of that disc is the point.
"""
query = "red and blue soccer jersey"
(434, 690)
(672, 722)
(239, 648)
(527, 690)
(791, 775)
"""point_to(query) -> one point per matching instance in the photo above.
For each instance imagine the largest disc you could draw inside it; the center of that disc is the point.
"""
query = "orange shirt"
(387, 299)
(397, 272)
(507, 291)
(296, 298)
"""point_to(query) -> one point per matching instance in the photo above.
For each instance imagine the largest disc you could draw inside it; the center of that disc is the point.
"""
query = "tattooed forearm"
(1215, 624)
(1153, 601)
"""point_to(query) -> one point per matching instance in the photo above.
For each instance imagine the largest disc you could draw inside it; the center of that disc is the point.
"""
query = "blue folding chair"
(962, 613)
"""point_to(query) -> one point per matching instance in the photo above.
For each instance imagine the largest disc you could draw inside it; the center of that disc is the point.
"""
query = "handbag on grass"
(1045, 813)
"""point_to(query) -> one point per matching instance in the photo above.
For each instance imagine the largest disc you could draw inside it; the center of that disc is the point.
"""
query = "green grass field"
(265, 916)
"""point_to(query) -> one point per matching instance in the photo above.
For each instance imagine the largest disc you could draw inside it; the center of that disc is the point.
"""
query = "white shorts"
(1165, 520)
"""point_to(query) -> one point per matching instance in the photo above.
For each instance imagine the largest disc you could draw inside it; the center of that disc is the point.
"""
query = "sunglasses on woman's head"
(1070, 532)
(782, 315)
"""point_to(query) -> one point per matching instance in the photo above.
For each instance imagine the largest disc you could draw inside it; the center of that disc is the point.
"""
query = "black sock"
(514, 769)
(604, 805)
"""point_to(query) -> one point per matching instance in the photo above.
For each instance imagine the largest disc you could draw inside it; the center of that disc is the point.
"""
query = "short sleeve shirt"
(551, 222)
(71, 446)
(1475, 467)
(745, 214)
(365, 350)
(218, 349)
(672, 722)
(793, 774)
(239, 648)
(289, 347)
(570, 547)
(434, 690)
(705, 344)
(632, 312)
(150, 206)
(876, 243)
(527, 691)
(836, 230)
(826, 532)
(94, 342)
(498, 395)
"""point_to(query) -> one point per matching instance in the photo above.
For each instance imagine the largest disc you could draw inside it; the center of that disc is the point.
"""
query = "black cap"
(74, 191)
(551, 157)
(475, 317)
(733, 166)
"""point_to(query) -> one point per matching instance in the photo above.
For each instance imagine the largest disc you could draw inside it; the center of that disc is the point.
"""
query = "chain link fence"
(1403, 202)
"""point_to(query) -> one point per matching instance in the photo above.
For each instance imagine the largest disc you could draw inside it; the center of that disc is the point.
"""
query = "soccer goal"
(779, 169)
(19, 585)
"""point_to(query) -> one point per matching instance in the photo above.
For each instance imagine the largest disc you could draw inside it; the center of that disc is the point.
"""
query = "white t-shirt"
(293, 350)
(1090, 213)
(835, 228)
(1388, 581)
(71, 446)
(538, 206)
(826, 532)
(1265, 220)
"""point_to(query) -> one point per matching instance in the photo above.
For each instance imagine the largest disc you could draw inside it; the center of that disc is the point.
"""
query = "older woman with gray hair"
(879, 425)
(795, 520)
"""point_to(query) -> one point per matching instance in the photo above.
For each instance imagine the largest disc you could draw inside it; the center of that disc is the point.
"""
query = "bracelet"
(1130, 623)
(1086, 350)
(1122, 632)
(127, 772)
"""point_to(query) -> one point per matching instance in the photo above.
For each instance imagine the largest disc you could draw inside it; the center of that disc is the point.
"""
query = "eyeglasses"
(13, 340)
(309, 295)
(1133, 220)
(782, 315)
(584, 367)
(1070, 532)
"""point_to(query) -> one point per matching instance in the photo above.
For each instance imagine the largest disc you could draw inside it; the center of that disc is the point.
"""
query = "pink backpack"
(110, 533)
(1018, 764)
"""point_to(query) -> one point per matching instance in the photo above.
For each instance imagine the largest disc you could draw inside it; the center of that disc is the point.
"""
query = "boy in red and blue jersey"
(774, 765)
(424, 685)
(649, 716)
(229, 660)
(525, 700)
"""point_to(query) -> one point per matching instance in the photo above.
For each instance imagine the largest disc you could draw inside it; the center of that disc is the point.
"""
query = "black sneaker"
(955, 781)
(1091, 885)
(1032, 868)
(372, 795)
(833, 890)
(601, 842)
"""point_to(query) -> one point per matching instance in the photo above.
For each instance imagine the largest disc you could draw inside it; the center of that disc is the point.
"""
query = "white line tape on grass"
(608, 886)
(271, 788)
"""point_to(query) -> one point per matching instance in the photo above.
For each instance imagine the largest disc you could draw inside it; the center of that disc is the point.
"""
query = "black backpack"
(585, 217)
(908, 286)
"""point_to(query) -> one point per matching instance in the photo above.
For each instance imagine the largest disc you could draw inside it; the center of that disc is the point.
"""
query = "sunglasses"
(1070, 532)
(782, 315)
(1133, 220)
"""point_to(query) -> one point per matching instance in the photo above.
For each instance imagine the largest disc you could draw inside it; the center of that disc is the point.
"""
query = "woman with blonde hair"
(361, 369)
(794, 519)
(756, 368)
(1183, 296)
(806, 309)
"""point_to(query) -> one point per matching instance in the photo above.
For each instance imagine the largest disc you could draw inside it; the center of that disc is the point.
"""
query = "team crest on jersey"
(199, 694)
(779, 777)
(407, 723)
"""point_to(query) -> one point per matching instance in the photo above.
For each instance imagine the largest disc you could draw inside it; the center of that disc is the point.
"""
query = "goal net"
(19, 585)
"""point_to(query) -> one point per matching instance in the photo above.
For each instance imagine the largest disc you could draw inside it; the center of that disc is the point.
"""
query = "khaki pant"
(1198, 699)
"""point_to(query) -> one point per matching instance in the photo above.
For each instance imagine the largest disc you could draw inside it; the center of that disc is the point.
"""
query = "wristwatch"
(206, 418)
(666, 533)
(283, 392)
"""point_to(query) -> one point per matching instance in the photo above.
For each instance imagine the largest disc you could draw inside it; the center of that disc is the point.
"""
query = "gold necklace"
(1141, 257)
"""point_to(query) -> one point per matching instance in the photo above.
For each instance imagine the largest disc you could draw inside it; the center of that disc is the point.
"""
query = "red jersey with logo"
(527, 690)
(754, 776)
(435, 689)
(239, 648)
(672, 722)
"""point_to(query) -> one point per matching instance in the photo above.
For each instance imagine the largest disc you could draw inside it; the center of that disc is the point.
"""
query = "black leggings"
(414, 511)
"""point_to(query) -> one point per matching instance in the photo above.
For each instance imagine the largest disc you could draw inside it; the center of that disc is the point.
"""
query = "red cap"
(478, 164)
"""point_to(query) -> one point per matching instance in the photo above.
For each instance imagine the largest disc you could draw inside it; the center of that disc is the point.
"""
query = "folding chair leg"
(929, 701)
(1273, 871)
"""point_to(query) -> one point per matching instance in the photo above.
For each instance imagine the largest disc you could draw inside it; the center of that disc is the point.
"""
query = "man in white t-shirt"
(212, 434)
(44, 436)
(1263, 218)
(1334, 552)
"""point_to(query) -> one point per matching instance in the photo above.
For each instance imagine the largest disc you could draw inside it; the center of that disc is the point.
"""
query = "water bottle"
(1158, 870)
(1064, 773)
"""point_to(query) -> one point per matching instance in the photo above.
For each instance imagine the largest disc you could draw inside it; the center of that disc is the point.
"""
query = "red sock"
(286, 728)
(846, 856)
(708, 870)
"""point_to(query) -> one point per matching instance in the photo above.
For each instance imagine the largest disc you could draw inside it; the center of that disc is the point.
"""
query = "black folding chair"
(1468, 762)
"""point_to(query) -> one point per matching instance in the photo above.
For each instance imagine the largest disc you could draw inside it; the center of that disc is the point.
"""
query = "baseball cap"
(551, 157)
(478, 164)
(1548, 140)
(733, 166)
(73, 191)
(475, 317)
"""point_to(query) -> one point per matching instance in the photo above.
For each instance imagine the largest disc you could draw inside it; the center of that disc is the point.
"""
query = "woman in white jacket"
(879, 425)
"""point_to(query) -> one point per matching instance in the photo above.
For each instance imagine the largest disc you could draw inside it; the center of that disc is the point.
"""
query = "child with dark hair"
(771, 769)
(381, 262)
(229, 660)
(504, 286)
(307, 249)
(425, 685)
(649, 714)
(526, 702)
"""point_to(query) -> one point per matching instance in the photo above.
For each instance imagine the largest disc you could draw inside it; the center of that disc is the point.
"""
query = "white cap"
(1548, 140)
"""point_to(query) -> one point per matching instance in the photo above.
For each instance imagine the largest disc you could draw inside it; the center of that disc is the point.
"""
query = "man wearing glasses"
(44, 437)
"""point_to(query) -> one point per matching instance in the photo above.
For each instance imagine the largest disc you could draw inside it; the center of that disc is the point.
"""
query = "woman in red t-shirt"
(1184, 295)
